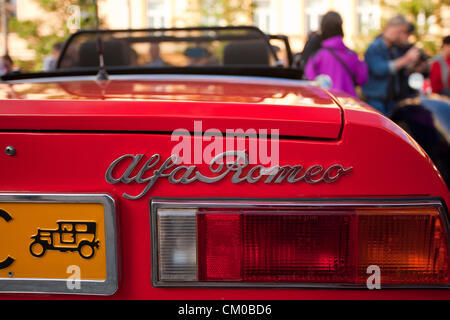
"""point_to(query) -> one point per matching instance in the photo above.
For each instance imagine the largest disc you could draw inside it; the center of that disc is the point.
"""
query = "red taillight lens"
(219, 247)
(275, 247)
(330, 244)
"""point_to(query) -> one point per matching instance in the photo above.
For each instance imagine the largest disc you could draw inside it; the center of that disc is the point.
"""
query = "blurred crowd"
(388, 63)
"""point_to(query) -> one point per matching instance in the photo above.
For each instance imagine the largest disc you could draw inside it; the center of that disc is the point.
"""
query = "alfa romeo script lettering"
(229, 164)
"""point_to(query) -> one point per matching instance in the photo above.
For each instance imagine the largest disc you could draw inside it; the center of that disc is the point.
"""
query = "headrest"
(115, 53)
(255, 52)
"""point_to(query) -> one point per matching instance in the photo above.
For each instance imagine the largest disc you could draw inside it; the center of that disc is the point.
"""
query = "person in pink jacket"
(336, 60)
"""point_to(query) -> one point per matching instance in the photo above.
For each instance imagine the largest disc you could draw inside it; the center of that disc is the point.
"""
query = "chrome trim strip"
(174, 78)
(59, 286)
(156, 203)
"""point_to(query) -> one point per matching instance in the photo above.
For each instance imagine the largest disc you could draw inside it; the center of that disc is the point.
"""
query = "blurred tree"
(42, 42)
(424, 8)
(423, 14)
(226, 12)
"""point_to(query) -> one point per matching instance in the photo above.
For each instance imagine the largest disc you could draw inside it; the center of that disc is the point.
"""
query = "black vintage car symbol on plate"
(70, 236)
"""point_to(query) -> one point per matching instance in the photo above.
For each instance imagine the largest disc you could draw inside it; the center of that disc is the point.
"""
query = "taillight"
(299, 243)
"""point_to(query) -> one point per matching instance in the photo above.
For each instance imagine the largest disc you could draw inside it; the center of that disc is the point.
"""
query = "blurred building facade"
(295, 18)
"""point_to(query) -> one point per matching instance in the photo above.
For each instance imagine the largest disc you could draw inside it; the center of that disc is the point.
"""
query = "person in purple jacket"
(336, 60)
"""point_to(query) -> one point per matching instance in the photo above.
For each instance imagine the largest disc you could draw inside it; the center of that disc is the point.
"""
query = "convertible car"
(195, 164)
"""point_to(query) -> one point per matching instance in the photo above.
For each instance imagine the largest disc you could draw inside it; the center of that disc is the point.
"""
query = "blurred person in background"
(6, 65)
(440, 75)
(198, 56)
(421, 65)
(49, 63)
(155, 57)
(386, 63)
(312, 45)
(336, 60)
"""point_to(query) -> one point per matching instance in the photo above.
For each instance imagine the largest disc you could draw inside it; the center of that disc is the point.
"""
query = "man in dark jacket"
(385, 62)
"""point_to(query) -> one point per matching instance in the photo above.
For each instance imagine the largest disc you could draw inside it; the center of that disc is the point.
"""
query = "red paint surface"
(298, 111)
(386, 162)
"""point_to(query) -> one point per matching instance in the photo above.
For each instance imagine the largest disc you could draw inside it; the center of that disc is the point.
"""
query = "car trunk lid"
(295, 109)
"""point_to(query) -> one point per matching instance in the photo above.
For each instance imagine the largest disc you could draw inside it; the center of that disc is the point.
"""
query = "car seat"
(115, 53)
(255, 52)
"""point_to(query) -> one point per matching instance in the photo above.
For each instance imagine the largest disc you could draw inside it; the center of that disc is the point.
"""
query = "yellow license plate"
(57, 243)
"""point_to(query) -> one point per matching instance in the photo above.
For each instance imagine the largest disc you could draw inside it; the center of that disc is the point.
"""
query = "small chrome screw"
(10, 151)
(10, 273)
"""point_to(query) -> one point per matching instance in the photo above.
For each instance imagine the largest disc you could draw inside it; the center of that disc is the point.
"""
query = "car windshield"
(177, 48)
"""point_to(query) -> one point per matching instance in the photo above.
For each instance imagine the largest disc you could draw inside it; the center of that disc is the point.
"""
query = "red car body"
(67, 132)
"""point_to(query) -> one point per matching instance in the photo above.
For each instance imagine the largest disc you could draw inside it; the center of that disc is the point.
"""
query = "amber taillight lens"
(409, 245)
(276, 244)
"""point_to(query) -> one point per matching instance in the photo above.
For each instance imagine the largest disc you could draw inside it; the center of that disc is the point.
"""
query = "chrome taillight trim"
(193, 203)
